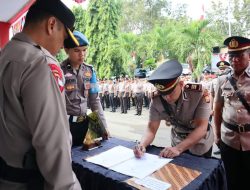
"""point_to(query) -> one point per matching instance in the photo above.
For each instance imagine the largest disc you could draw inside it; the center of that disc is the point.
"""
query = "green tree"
(80, 15)
(120, 51)
(194, 40)
(101, 28)
(143, 15)
(61, 56)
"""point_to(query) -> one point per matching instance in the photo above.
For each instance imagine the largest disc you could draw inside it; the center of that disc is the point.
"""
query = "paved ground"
(131, 127)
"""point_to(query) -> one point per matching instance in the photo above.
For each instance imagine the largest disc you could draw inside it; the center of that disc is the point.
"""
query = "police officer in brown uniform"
(224, 68)
(232, 114)
(35, 143)
(138, 94)
(185, 107)
(80, 86)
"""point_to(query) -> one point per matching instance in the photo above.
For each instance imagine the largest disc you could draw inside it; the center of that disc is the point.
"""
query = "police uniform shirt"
(133, 86)
(34, 113)
(213, 87)
(101, 88)
(127, 86)
(191, 105)
(105, 86)
(144, 86)
(138, 87)
(110, 88)
(149, 87)
(234, 111)
(77, 90)
(121, 86)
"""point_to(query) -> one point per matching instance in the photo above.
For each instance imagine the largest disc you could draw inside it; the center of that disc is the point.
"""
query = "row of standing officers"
(115, 93)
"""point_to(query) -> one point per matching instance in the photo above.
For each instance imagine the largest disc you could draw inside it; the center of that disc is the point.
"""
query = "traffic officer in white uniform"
(232, 114)
(185, 107)
(35, 143)
(80, 86)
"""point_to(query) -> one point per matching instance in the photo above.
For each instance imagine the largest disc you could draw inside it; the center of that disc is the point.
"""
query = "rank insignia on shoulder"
(193, 87)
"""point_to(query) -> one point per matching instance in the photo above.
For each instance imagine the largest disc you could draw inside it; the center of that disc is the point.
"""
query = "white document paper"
(153, 183)
(141, 167)
(112, 156)
(122, 160)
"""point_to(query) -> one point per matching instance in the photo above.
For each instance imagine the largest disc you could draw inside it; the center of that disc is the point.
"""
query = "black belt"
(18, 175)
(238, 128)
(184, 135)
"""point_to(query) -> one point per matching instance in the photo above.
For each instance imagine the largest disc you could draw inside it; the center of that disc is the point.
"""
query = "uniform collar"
(183, 97)
(25, 38)
(247, 71)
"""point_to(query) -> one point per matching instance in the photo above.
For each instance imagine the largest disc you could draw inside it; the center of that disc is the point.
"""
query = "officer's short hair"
(42, 9)
(36, 16)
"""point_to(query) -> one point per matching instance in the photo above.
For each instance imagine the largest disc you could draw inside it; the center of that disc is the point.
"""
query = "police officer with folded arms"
(80, 86)
(35, 143)
(232, 114)
(185, 107)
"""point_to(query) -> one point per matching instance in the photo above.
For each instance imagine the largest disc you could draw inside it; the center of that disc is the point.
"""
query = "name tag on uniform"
(74, 119)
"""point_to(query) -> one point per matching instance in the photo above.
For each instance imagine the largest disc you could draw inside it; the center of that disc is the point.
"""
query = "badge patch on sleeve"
(57, 73)
(193, 87)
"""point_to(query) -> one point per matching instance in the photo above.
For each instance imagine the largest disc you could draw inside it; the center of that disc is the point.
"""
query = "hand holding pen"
(139, 150)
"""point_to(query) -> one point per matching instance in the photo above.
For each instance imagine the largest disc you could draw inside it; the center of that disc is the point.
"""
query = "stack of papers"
(121, 159)
(153, 183)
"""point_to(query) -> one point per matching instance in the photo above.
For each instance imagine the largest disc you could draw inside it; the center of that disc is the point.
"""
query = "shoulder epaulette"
(88, 65)
(193, 87)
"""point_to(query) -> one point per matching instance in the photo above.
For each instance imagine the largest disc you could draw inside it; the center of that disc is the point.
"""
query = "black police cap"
(166, 76)
(237, 43)
(80, 37)
(223, 64)
(60, 11)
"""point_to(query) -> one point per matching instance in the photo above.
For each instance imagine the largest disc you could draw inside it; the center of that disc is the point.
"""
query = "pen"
(95, 147)
(137, 146)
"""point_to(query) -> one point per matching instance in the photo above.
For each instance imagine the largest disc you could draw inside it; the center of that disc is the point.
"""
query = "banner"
(17, 26)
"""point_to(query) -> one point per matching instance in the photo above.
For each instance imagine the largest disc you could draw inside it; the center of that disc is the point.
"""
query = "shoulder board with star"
(193, 87)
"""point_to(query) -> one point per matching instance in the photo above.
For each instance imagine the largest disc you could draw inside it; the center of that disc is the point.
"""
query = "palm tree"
(194, 42)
